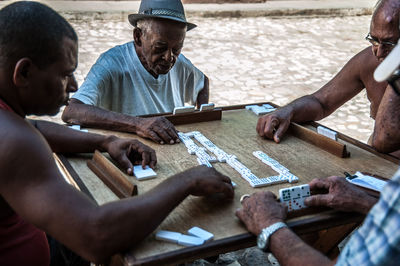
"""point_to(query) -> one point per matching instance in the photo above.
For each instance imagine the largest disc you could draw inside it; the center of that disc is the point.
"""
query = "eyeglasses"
(375, 42)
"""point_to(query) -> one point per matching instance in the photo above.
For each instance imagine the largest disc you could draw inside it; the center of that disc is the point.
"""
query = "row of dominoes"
(261, 110)
(284, 173)
(191, 108)
(253, 180)
(271, 162)
(221, 155)
(204, 158)
(188, 142)
(196, 237)
(293, 197)
(327, 132)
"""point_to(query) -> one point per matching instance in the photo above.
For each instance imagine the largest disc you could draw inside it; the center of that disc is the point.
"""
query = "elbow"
(67, 115)
(98, 247)
(71, 115)
(383, 145)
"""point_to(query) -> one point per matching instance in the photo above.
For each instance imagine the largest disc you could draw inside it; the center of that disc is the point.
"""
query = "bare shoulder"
(366, 63)
(21, 142)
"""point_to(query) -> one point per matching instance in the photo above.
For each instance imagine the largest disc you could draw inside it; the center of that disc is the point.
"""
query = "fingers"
(154, 137)
(126, 163)
(319, 183)
(148, 155)
(266, 125)
(227, 190)
(318, 200)
(280, 131)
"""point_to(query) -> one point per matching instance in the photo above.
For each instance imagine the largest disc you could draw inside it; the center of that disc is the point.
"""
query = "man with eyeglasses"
(376, 242)
(355, 76)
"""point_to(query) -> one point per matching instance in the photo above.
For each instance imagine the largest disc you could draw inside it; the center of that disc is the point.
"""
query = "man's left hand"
(261, 210)
(128, 151)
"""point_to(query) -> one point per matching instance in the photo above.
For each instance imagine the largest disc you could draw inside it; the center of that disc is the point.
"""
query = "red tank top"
(20, 242)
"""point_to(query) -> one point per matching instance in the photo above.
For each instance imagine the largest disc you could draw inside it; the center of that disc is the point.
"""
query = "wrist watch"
(266, 233)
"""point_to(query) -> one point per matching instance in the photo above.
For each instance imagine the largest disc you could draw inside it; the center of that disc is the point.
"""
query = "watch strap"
(268, 231)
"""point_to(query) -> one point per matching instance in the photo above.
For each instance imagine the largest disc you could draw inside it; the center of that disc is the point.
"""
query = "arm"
(31, 183)
(340, 195)
(262, 210)
(124, 151)
(344, 86)
(204, 94)
(386, 136)
(158, 129)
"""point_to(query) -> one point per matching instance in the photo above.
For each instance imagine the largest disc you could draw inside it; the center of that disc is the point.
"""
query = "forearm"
(306, 108)
(386, 136)
(95, 117)
(141, 214)
(289, 249)
(204, 94)
(63, 139)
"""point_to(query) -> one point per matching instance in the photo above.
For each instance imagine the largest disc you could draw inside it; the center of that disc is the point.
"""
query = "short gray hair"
(145, 24)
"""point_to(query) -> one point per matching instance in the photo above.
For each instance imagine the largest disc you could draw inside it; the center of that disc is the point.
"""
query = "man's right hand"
(158, 129)
(205, 181)
(341, 195)
(274, 125)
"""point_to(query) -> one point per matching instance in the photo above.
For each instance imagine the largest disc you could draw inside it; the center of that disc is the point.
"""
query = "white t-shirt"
(118, 82)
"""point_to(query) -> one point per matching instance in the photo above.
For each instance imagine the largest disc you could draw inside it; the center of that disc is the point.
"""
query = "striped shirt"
(377, 241)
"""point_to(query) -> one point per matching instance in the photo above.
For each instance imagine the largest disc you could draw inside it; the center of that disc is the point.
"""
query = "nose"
(379, 51)
(72, 85)
(168, 56)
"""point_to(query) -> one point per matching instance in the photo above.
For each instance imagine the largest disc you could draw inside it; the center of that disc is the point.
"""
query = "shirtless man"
(356, 75)
(36, 74)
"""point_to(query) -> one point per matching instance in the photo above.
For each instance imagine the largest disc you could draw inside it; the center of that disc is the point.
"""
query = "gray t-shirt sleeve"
(93, 89)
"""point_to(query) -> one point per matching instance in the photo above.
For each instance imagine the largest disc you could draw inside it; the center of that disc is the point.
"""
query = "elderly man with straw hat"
(145, 76)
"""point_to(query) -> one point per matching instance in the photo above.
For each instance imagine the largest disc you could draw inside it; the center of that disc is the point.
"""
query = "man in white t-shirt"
(146, 76)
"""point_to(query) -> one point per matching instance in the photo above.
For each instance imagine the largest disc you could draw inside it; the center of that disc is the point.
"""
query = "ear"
(22, 72)
(137, 36)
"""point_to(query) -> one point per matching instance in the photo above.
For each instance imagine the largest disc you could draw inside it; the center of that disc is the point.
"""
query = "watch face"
(261, 241)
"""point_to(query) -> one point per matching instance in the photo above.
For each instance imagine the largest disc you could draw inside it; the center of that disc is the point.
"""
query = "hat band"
(164, 12)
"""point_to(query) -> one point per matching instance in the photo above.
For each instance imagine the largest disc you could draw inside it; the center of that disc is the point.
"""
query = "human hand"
(205, 181)
(341, 195)
(128, 151)
(158, 129)
(261, 210)
(275, 124)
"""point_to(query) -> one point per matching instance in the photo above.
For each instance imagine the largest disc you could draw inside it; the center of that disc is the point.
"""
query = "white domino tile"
(183, 109)
(143, 174)
(293, 197)
(198, 232)
(327, 132)
(190, 241)
(168, 236)
(207, 107)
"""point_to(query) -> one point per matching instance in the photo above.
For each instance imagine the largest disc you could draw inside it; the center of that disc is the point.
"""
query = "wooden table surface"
(235, 134)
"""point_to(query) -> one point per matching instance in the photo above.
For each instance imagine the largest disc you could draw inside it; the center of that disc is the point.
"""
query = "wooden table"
(235, 133)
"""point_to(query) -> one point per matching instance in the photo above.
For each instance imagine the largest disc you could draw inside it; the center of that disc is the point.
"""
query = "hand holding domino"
(293, 197)
(340, 195)
(261, 210)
